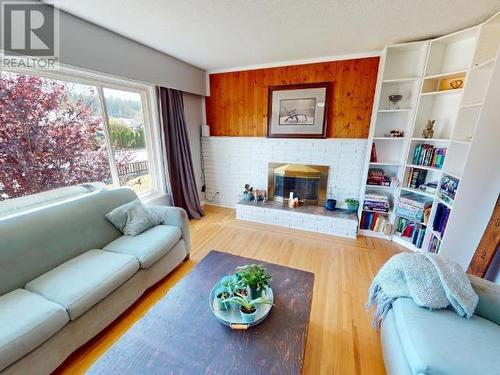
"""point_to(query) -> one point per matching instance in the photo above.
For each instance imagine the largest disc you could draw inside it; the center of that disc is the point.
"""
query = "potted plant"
(248, 306)
(352, 204)
(222, 295)
(255, 277)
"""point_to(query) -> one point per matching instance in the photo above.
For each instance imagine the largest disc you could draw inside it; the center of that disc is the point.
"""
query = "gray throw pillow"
(133, 218)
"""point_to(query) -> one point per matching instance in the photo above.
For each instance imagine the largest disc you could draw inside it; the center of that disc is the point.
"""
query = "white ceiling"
(221, 34)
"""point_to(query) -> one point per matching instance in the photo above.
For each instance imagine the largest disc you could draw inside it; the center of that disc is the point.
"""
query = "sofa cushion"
(83, 281)
(26, 321)
(441, 342)
(148, 246)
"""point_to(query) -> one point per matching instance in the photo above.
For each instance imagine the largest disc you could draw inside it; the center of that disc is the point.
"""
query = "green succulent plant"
(246, 304)
(352, 201)
(255, 276)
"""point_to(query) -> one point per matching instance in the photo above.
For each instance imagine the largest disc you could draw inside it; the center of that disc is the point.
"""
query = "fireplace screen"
(307, 182)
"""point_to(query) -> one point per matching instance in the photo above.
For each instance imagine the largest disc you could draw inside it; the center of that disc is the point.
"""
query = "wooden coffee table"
(180, 335)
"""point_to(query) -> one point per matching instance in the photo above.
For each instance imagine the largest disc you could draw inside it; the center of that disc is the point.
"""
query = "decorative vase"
(248, 317)
(331, 204)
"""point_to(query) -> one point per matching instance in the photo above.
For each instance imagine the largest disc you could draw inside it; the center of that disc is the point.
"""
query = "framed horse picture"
(298, 111)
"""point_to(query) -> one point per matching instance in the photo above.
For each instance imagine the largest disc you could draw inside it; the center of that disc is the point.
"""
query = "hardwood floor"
(340, 339)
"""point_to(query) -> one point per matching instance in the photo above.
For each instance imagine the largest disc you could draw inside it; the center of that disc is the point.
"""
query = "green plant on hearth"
(352, 201)
(255, 277)
(352, 204)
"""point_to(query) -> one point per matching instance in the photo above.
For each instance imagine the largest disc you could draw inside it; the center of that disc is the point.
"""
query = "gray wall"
(86, 45)
(89, 46)
(194, 119)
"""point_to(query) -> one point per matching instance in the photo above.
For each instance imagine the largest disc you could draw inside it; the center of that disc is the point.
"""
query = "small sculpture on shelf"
(428, 131)
(248, 193)
(395, 133)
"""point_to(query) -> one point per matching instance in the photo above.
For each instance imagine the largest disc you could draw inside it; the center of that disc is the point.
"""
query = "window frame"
(149, 107)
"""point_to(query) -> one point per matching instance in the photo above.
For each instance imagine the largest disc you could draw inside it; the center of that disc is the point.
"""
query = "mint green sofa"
(66, 273)
(418, 341)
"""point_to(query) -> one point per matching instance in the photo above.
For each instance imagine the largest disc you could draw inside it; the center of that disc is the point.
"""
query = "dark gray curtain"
(178, 158)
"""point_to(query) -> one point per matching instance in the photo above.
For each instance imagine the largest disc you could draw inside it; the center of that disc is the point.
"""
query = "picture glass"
(297, 111)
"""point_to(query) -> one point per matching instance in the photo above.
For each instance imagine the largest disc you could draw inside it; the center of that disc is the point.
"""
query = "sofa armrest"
(489, 298)
(175, 216)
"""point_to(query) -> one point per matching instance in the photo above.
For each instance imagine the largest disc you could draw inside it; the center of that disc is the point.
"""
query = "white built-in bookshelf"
(421, 72)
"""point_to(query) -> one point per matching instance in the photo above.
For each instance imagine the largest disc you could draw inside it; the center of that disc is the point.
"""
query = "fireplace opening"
(307, 182)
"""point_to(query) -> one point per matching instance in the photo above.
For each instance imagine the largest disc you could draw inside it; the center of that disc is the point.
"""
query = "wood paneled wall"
(237, 105)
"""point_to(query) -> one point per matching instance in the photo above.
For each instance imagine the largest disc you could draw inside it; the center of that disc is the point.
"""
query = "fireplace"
(308, 182)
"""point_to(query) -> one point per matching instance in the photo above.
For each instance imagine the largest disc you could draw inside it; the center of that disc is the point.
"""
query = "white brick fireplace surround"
(232, 162)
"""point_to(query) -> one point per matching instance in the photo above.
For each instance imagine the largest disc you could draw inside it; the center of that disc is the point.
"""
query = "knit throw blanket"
(431, 280)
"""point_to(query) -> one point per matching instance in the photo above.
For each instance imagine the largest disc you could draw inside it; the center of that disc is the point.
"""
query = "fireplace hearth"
(307, 182)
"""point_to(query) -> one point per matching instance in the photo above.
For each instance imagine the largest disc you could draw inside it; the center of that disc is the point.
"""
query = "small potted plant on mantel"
(255, 277)
(248, 306)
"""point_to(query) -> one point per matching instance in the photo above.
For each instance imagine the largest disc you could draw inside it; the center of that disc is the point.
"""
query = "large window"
(56, 133)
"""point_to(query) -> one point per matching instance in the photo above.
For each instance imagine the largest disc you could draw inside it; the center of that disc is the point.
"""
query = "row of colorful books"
(407, 228)
(372, 221)
(376, 201)
(428, 155)
(441, 218)
(434, 245)
(414, 207)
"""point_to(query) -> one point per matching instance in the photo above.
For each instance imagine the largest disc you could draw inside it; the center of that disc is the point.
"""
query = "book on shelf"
(429, 187)
(414, 207)
(434, 245)
(449, 186)
(429, 156)
(416, 177)
(375, 201)
(414, 232)
(415, 200)
(373, 155)
(372, 221)
(376, 196)
(441, 219)
(377, 177)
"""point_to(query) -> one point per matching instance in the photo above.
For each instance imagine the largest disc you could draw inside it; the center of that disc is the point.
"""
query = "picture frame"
(299, 110)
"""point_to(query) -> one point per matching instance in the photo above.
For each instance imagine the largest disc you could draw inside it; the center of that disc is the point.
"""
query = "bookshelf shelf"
(436, 234)
(444, 202)
(418, 191)
(446, 75)
(393, 163)
(378, 212)
(397, 80)
(389, 138)
(442, 140)
(484, 63)
(368, 186)
(443, 92)
(395, 110)
(372, 233)
(472, 105)
(405, 242)
(423, 167)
